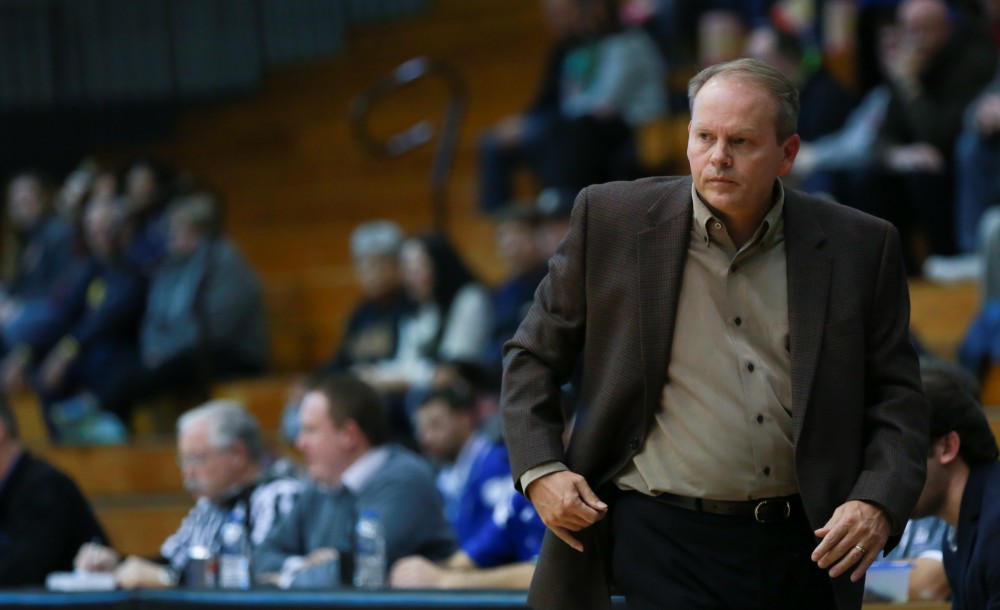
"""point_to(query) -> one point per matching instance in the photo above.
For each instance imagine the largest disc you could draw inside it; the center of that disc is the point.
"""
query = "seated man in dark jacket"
(204, 318)
(91, 334)
(43, 516)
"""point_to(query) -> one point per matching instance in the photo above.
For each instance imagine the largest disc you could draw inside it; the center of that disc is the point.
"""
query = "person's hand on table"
(94, 557)
(417, 572)
(139, 573)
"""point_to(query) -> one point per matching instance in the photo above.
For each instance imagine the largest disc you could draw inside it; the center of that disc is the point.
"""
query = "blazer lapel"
(808, 268)
(662, 249)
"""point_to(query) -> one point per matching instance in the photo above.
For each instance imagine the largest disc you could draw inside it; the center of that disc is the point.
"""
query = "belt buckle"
(760, 518)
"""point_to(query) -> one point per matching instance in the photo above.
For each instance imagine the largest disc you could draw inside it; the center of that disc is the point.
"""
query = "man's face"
(925, 26)
(24, 203)
(140, 187)
(327, 448)
(932, 497)
(183, 238)
(732, 147)
(517, 245)
(100, 228)
(441, 431)
(418, 271)
(377, 274)
(208, 471)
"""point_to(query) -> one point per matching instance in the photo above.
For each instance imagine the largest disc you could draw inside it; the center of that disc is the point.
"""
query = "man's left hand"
(854, 524)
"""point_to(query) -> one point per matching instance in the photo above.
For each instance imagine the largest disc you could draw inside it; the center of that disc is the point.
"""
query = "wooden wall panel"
(296, 184)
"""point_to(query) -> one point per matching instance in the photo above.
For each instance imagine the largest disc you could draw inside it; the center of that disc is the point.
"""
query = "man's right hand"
(93, 557)
(566, 504)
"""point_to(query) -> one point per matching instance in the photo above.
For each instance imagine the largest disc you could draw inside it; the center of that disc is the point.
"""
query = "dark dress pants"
(667, 557)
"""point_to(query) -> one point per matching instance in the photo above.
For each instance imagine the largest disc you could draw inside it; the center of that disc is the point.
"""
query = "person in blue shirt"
(501, 556)
(474, 476)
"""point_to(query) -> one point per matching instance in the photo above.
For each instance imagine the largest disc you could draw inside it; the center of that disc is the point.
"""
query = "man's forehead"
(194, 435)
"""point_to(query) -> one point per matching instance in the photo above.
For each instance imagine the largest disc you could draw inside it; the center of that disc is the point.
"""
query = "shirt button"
(750, 367)
(633, 443)
(738, 320)
(767, 471)
(718, 225)
(760, 419)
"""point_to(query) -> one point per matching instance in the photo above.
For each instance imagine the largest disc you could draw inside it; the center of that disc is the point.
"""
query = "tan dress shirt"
(725, 428)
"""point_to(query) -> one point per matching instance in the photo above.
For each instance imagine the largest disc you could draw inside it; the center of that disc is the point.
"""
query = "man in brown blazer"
(751, 431)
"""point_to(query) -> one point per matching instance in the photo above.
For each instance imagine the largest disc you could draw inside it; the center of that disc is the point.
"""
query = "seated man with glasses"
(219, 451)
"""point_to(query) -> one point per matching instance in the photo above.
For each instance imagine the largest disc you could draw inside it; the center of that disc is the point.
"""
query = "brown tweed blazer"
(859, 417)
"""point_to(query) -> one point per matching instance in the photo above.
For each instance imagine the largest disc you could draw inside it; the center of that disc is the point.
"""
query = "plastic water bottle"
(234, 553)
(369, 552)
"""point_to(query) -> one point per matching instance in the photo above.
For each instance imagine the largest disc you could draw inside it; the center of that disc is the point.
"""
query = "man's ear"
(351, 430)
(950, 445)
(240, 448)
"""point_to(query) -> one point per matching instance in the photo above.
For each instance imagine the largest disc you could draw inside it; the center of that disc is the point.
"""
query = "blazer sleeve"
(540, 357)
(896, 415)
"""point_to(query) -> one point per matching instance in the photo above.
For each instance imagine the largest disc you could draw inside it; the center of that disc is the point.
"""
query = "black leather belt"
(764, 510)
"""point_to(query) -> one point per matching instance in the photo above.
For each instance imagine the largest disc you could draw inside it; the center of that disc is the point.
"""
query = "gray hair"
(758, 73)
(378, 238)
(228, 422)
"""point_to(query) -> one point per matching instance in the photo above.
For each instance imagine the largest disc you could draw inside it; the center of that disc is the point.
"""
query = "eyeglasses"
(196, 460)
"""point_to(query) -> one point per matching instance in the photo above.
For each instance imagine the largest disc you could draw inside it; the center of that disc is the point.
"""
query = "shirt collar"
(358, 473)
(770, 228)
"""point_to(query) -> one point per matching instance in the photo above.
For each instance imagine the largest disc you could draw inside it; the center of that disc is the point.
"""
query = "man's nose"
(720, 156)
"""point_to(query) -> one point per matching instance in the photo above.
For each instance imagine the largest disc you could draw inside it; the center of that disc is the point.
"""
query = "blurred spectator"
(343, 438)
(220, 452)
(450, 324)
(92, 334)
(370, 335)
(371, 332)
(45, 262)
(43, 516)
(940, 66)
(977, 157)
(721, 36)
(43, 238)
(474, 475)
(501, 556)
(204, 319)
(518, 237)
(821, 164)
(77, 187)
(602, 83)
(824, 104)
(963, 485)
(921, 546)
(146, 233)
(554, 206)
